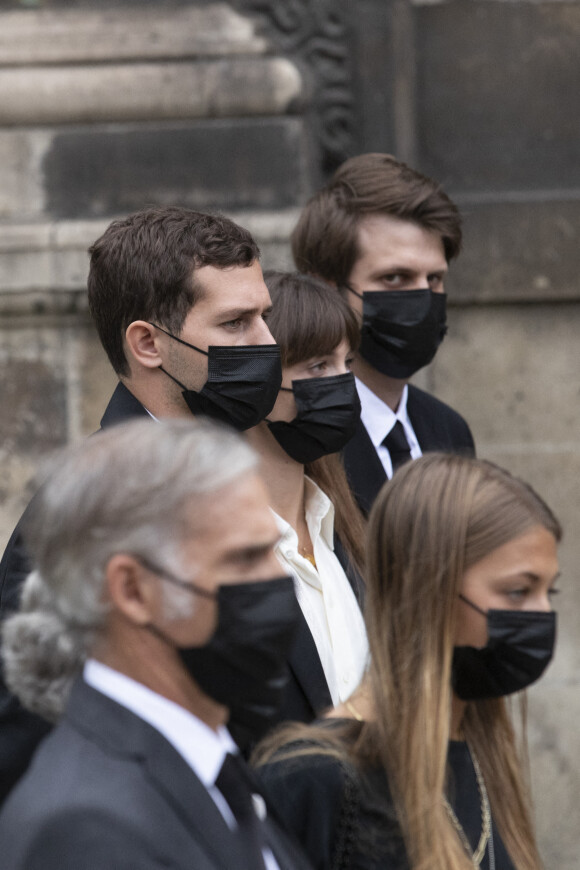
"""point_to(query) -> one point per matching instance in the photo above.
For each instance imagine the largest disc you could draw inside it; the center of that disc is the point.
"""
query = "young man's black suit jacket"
(107, 790)
(437, 427)
(306, 696)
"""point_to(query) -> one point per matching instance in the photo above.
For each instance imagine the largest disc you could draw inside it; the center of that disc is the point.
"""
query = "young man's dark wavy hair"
(325, 240)
(143, 268)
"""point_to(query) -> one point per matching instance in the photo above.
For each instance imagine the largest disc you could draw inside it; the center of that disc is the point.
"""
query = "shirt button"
(288, 554)
(259, 806)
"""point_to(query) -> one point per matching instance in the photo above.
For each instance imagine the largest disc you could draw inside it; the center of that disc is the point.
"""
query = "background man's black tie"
(397, 445)
(235, 785)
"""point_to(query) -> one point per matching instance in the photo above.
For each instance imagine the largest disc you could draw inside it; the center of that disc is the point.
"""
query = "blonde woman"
(420, 768)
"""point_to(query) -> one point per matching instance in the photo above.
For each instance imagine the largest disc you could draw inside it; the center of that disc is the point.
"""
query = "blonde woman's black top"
(344, 818)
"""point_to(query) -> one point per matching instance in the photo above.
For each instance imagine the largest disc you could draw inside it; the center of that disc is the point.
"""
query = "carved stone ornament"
(315, 33)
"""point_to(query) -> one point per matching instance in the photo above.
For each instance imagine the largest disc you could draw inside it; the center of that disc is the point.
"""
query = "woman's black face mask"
(401, 329)
(520, 645)
(328, 410)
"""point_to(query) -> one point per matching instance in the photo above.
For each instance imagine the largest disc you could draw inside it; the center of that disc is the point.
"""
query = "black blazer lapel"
(190, 800)
(436, 425)
(363, 467)
(424, 424)
(354, 578)
(122, 406)
(119, 730)
(306, 668)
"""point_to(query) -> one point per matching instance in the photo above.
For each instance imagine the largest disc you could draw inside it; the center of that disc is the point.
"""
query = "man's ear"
(131, 589)
(143, 343)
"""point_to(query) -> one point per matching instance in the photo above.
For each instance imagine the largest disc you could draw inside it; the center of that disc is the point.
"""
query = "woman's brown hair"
(310, 318)
(437, 517)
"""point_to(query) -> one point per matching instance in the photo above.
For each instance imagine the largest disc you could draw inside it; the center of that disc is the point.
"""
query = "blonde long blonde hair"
(435, 519)
(438, 516)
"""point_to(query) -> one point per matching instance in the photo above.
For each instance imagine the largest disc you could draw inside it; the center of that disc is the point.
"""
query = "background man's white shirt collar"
(378, 419)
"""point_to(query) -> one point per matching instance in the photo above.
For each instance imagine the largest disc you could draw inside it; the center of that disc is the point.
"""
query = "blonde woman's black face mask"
(519, 648)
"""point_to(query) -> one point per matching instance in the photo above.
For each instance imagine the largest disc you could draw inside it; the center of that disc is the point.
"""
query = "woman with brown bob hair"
(321, 528)
(420, 768)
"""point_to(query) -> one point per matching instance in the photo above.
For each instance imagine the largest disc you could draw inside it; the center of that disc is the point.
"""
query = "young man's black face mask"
(242, 383)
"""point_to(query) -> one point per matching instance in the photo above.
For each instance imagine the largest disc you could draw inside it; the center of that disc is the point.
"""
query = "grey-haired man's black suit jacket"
(106, 791)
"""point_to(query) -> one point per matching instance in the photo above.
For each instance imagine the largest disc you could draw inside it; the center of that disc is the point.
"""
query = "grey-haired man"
(154, 615)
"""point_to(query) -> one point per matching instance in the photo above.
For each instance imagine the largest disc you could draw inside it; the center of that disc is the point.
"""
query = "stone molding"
(43, 265)
(315, 33)
(72, 35)
(160, 91)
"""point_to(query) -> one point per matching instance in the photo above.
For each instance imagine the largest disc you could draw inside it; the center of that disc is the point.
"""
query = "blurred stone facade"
(246, 106)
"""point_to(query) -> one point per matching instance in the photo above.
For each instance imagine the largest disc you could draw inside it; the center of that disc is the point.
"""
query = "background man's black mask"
(401, 329)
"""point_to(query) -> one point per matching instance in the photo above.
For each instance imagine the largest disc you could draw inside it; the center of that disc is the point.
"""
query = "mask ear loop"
(171, 578)
(351, 290)
(180, 340)
(471, 604)
(358, 314)
(281, 390)
(179, 384)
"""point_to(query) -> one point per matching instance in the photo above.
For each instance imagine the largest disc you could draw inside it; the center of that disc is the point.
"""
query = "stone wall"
(246, 106)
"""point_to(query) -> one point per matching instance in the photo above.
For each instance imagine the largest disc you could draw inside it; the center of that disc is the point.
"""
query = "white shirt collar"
(378, 419)
(319, 516)
(202, 748)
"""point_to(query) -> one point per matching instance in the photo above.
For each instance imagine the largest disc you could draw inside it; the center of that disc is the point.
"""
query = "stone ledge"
(88, 172)
(67, 36)
(160, 91)
(518, 250)
(43, 266)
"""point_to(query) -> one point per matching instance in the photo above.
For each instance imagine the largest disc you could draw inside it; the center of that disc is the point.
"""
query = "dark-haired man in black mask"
(384, 235)
(179, 303)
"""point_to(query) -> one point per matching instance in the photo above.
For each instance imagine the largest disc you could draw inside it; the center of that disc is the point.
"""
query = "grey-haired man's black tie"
(234, 784)
(397, 445)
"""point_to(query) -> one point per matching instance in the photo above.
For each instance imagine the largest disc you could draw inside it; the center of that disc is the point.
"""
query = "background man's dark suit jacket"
(306, 696)
(437, 427)
(106, 790)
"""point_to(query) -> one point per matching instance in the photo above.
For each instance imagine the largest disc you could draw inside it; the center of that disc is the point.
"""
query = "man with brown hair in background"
(384, 235)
